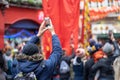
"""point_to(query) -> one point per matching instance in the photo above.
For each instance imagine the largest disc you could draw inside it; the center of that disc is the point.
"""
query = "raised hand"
(42, 29)
(51, 28)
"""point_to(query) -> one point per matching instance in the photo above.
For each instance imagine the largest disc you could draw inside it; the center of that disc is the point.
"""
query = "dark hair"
(2, 61)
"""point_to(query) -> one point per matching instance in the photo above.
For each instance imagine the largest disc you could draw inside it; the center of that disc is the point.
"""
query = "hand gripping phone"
(47, 21)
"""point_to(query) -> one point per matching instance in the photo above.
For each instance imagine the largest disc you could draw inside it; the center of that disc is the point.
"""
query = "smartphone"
(47, 21)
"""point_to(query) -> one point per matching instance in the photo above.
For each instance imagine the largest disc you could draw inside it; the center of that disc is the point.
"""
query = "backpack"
(64, 67)
(25, 76)
(28, 76)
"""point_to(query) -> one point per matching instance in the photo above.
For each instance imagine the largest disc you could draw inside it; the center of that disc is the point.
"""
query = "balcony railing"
(37, 4)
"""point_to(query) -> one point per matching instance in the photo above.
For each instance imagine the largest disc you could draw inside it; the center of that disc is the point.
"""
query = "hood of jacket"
(29, 63)
(28, 66)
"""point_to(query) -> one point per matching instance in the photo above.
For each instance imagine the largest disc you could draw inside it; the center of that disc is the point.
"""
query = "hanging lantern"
(93, 0)
(100, 1)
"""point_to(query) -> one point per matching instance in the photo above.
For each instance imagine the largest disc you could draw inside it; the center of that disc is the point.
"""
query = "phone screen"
(47, 22)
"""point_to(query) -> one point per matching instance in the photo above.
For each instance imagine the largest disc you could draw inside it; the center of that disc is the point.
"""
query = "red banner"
(65, 18)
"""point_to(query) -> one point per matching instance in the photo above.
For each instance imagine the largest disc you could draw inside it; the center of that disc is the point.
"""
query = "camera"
(47, 21)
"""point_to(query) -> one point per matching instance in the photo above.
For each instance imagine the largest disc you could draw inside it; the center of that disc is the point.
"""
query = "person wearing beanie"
(88, 73)
(92, 46)
(92, 42)
(116, 47)
(108, 49)
(32, 60)
(104, 65)
(78, 64)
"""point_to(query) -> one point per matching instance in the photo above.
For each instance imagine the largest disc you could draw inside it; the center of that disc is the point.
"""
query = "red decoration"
(99, 13)
(65, 16)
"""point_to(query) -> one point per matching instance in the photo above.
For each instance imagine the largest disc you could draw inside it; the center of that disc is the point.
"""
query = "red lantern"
(100, 1)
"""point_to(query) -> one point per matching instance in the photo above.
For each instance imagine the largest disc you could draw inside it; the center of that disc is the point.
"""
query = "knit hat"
(80, 52)
(98, 46)
(30, 49)
(92, 42)
(107, 49)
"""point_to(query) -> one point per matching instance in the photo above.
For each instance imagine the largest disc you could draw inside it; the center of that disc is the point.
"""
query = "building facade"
(18, 16)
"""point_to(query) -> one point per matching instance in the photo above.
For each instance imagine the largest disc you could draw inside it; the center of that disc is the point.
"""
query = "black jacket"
(67, 59)
(105, 67)
(116, 49)
(105, 64)
(88, 73)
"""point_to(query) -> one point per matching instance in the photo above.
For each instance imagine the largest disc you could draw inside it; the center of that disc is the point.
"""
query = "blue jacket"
(45, 71)
(78, 69)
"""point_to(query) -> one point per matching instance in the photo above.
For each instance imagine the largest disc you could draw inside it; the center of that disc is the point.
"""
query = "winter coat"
(78, 69)
(65, 75)
(105, 67)
(67, 59)
(44, 71)
(116, 49)
(88, 73)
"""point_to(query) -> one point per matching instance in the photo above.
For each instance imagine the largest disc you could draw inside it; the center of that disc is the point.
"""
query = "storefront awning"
(25, 24)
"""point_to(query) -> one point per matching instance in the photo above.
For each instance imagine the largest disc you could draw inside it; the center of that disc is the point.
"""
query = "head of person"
(108, 49)
(80, 52)
(92, 42)
(96, 47)
(30, 51)
(8, 53)
(116, 67)
(89, 50)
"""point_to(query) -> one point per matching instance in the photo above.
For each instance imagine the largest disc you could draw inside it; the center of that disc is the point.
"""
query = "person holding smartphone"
(32, 60)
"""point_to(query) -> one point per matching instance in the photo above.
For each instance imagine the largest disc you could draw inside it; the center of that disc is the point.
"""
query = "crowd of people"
(27, 63)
